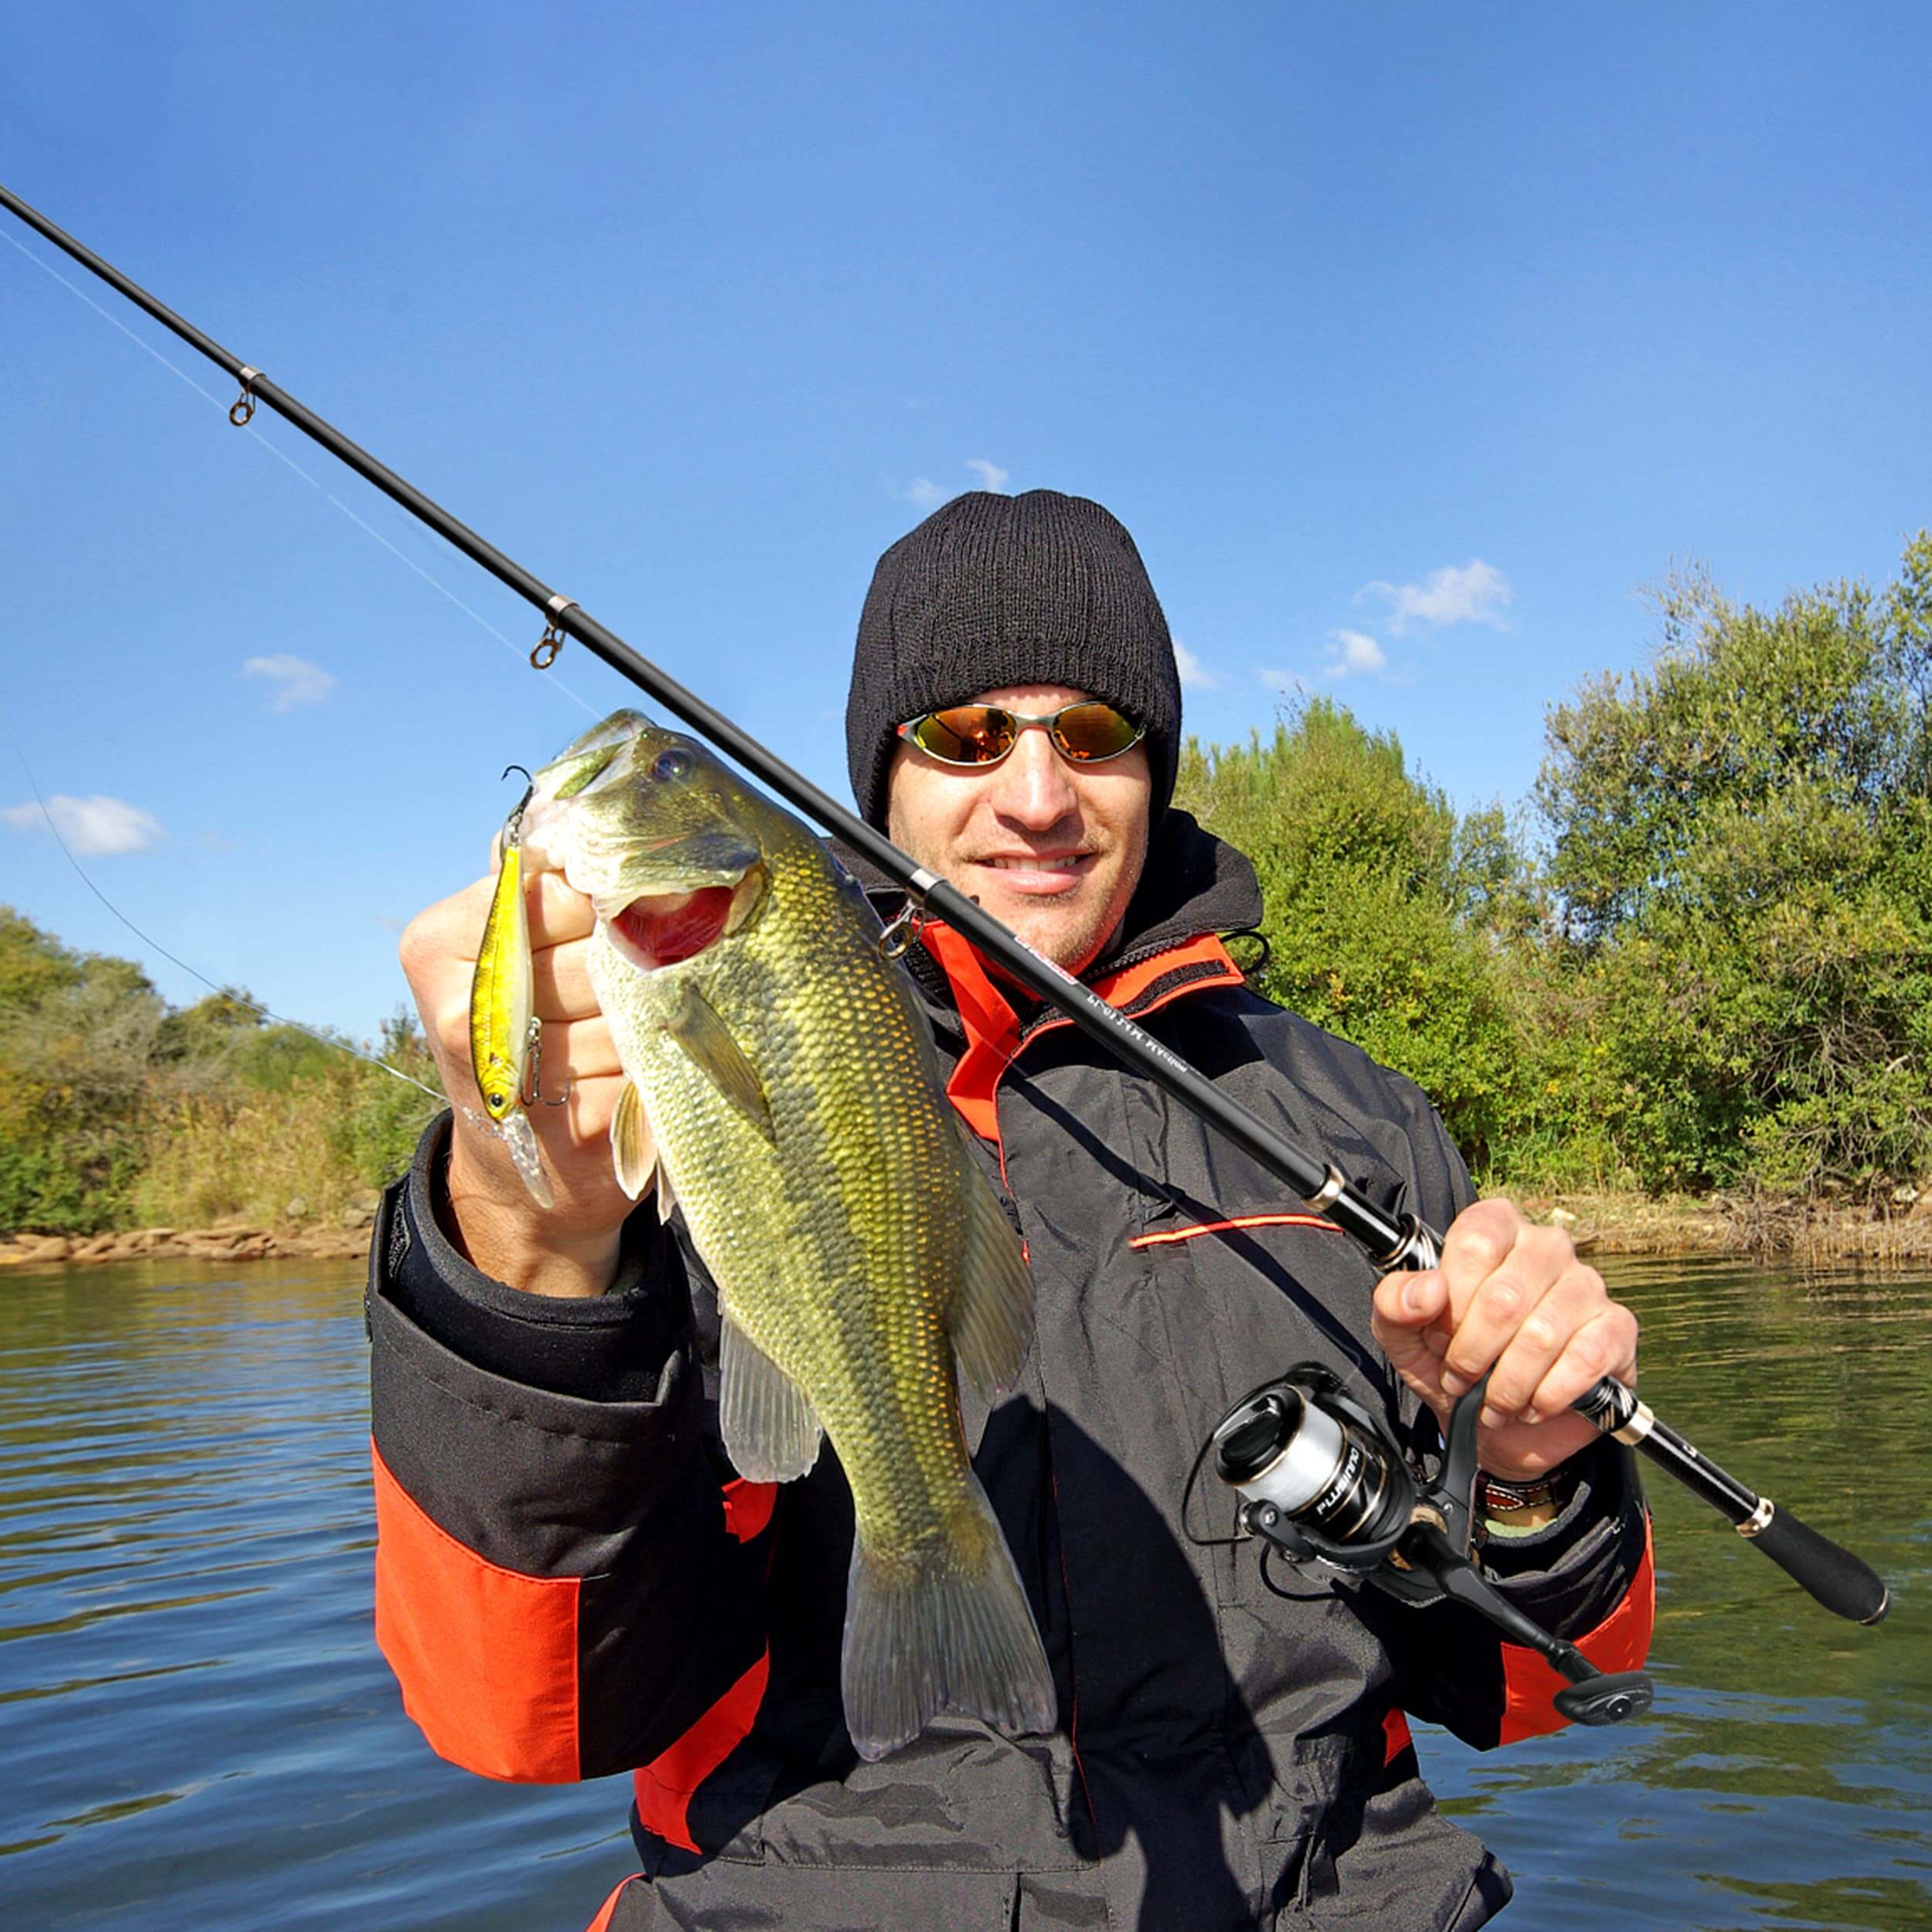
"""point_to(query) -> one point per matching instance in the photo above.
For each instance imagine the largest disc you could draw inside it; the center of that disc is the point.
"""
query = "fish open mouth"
(663, 928)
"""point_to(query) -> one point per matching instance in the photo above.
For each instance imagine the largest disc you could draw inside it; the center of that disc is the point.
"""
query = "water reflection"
(198, 1731)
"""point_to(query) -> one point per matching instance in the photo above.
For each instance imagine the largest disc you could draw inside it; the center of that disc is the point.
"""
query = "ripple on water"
(197, 1724)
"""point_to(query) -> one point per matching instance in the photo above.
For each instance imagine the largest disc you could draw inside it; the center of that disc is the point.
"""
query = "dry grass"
(215, 1161)
(1748, 1225)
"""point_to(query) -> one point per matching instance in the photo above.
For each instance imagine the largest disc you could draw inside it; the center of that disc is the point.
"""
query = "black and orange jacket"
(571, 1581)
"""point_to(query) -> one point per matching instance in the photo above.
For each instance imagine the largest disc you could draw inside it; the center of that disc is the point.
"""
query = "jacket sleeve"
(568, 1580)
(1587, 1576)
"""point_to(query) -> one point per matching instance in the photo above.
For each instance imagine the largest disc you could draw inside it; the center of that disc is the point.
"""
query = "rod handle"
(1842, 1583)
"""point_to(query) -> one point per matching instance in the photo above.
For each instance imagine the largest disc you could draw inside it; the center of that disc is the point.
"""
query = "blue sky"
(1410, 342)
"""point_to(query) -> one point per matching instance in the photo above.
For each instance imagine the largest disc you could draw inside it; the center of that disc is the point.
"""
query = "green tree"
(77, 1032)
(1743, 851)
(1387, 917)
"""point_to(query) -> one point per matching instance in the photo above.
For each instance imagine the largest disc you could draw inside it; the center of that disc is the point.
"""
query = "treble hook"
(241, 411)
(532, 1094)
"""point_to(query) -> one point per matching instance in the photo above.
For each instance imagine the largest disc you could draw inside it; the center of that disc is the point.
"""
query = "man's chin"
(1065, 935)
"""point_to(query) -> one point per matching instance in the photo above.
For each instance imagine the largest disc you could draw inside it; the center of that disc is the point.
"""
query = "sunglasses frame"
(1048, 721)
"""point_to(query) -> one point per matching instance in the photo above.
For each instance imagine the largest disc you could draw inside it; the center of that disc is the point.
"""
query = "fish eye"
(671, 763)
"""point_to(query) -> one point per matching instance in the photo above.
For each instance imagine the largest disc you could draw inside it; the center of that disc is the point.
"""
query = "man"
(571, 1579)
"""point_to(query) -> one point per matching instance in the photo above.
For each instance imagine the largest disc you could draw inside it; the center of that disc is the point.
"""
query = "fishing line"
(281, 456)
(1392, 1238)
(227, 992)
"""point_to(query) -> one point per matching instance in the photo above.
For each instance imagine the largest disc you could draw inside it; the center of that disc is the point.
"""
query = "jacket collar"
(1192, 884)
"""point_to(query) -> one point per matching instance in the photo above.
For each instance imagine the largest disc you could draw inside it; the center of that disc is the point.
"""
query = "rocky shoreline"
(1895, 1230)
(345, 1239)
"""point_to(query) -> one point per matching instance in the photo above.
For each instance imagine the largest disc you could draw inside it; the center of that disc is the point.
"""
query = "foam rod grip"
(1839, 1580)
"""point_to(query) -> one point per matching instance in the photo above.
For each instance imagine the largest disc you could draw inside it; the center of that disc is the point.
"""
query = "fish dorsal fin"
(630, 1138)
(770, 1428)
(693, 1022)
(991, 1318)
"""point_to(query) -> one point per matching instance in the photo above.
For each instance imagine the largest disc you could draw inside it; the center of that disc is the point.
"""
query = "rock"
(96, 1247)
(157, 1236)
(368, 1197)
(47, 1247)
(1562, 1218)
(358, 1216)
(298, 1209)
(1904, 1196)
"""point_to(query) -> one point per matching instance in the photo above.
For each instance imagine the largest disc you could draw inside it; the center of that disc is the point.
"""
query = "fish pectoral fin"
(769, 1427)
(630, 1140)
(991, 1318)
(693, 1022)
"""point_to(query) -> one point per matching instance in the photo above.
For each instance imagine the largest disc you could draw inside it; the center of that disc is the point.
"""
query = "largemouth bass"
(860, 1255)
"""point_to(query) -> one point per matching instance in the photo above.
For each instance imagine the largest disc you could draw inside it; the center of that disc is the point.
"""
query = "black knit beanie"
(992, 590)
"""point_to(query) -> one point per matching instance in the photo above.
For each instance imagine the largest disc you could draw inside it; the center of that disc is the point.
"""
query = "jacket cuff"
(615, 1348)
(1571, 1574)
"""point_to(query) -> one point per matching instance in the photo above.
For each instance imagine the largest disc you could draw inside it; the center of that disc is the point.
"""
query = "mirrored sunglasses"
(1086, 733)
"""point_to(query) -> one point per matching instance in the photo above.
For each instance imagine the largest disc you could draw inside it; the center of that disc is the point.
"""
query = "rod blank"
(1838, 1579)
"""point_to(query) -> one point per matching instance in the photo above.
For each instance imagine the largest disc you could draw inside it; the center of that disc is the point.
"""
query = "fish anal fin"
(991, 1318)
(693, 1022)
(769, 1427)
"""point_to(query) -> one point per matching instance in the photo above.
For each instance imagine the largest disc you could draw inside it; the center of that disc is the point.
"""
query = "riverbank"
(232, 1238)
(1896, 1230)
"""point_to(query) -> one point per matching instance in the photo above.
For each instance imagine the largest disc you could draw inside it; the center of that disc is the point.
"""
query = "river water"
(196, 1732)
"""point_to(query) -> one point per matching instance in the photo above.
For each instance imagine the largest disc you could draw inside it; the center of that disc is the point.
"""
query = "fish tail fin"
(949, 1625)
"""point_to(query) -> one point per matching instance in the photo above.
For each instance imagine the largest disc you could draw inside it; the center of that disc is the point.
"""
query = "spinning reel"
(1323, 1481)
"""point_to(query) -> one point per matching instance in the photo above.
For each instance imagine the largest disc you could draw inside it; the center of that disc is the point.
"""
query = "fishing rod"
(1836, 1578)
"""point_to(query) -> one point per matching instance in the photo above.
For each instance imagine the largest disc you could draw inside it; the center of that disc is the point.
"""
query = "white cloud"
(991, 477)
(1285, 681)
(1475, 592)
(92, 825)
(1195, 675)
(1352, 651)
(296, 680)
(925, 493)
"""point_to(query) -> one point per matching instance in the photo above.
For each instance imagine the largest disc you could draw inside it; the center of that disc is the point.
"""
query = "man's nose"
(1036, 788)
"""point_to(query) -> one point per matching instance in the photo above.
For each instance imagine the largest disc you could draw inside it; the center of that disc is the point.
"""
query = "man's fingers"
(560, 981)
(1605, 1345)
(574, 1050)
(1490, 1312)
(1544, 1333)
(1478, 1241)
(557, 913)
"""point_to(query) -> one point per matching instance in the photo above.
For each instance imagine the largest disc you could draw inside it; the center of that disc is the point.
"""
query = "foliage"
(1719, 974)
(1387, 917)
(116, 1111)
(1743, 853)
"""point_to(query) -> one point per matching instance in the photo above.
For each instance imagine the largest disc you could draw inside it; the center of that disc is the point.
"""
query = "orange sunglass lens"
(968, 734)
(1086, 731)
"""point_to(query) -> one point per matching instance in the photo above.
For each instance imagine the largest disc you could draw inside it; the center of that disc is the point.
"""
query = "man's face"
(1052, 850)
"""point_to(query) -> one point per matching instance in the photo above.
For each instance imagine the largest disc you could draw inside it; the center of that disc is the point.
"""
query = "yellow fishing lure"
(504, 1031)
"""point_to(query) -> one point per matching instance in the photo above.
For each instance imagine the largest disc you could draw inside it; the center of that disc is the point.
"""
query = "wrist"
(514, 1243)
(1517, 1505)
